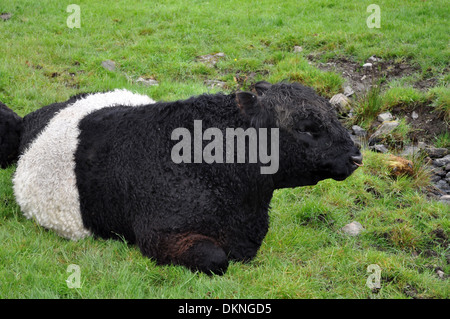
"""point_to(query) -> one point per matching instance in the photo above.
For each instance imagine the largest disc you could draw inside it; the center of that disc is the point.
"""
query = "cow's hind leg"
(200, 253)
(194, 251)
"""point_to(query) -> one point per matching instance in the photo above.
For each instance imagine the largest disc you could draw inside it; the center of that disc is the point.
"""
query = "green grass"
(304, 254)
(368, 106)
(441, 100)
(375, 101)
(443, 140)
(162, 39)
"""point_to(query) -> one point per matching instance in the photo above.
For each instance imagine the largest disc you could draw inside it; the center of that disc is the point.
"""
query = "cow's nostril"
(357, 159)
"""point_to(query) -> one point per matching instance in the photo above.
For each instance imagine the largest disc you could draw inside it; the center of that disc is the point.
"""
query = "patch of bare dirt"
(425, 123)
(361, 77)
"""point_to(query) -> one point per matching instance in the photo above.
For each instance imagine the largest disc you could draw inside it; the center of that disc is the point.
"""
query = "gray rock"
(367, 65)
(439, 171)
(109, 65)
(380, 148)
(348, 91)
(444, 161)
(435, 152)
(445, 199)
(422, 145)
(414, 115)
(435, 178)
(341, 102)
(215, 83)
(352, 229)
(374, 58)
(447, 167)
(350, 114)
(440, 274)
(443, 186)
(385, 128)
(386, 116)
(358, 131)
(147, 82)
(211, 59)
(298, 49)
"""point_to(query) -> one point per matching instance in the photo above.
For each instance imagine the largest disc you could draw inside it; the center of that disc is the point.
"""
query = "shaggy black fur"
(199, 215)
(202, 215)
(10, 131)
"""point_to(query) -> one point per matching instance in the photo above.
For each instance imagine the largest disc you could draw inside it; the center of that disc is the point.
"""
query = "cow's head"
(313, 145)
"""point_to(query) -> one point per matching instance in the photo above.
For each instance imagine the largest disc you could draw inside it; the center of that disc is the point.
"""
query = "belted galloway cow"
(189, 182)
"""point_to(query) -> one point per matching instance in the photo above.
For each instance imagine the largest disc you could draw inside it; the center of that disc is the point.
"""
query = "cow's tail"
(11, 126)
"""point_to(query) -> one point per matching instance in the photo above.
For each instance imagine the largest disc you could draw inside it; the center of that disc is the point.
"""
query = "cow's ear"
(250, 105)
(247, 102)
(261, 87)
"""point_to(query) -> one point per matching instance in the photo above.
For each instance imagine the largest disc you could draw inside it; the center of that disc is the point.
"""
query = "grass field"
(305, 255)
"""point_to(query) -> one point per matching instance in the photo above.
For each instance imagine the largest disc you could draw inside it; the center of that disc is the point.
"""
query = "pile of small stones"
(441, 175)
(438, 159)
